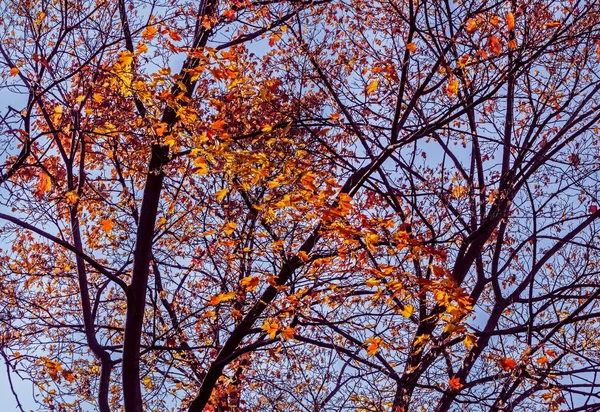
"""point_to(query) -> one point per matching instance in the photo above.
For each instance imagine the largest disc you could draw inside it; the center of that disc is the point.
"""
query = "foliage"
(301, 205)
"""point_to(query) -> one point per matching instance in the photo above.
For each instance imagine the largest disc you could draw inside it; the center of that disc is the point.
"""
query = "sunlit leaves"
(372, 86)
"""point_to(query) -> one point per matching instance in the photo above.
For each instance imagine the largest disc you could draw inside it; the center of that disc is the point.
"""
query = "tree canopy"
(328, 205)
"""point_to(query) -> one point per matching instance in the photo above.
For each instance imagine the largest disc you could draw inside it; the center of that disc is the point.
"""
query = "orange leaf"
(218, 125)
(452, 88)
(14, 71)
(494, 45)
(174, 35)
(471, 26)
(287, 333)
(510, 21)
(455, 384)
(542, 360)
(107, 225)
(44, 184)
(411, 47)
(508, 364)
(149, 32)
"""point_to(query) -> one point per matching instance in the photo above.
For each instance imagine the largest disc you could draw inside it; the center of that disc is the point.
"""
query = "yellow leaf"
(125, 58)
(229, 228)
(421, 339)
(458, 191)
(371, 240)
(372, 282)
(271, 328)
(303, 256)
(98, 97)
(220, 195)
(471, 25)
(267, 128)
(107, 225)
(407, 311)
(141, 48)
(470, 341)
(147, 382)
(14, 71)
(372, 86)
(71, 197)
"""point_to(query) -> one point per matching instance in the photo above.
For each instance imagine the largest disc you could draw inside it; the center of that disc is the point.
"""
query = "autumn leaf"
(229, 228)
(335, 116)
(552, 24)
(372, 282)
(174, 35)
(221, 297)
(510, 21)
(455, 384)
(372, 86)
(494, 45)
(407, 311)
(452, 88)
(229, 14)
(593, 209)
(508, 364)
(471, 25)
(288, 333)
(271, 328)
(44, 184)
(107, 226)
(411, 47)
(220, 194)
(218, 125)
(542, 360)
(149, 33)
(373, 346)
(470, 341)
(71, 197)
(250, 282)
(14, 71)
(371, 240)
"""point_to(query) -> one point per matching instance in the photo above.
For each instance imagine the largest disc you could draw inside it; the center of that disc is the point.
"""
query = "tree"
(365, 204)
